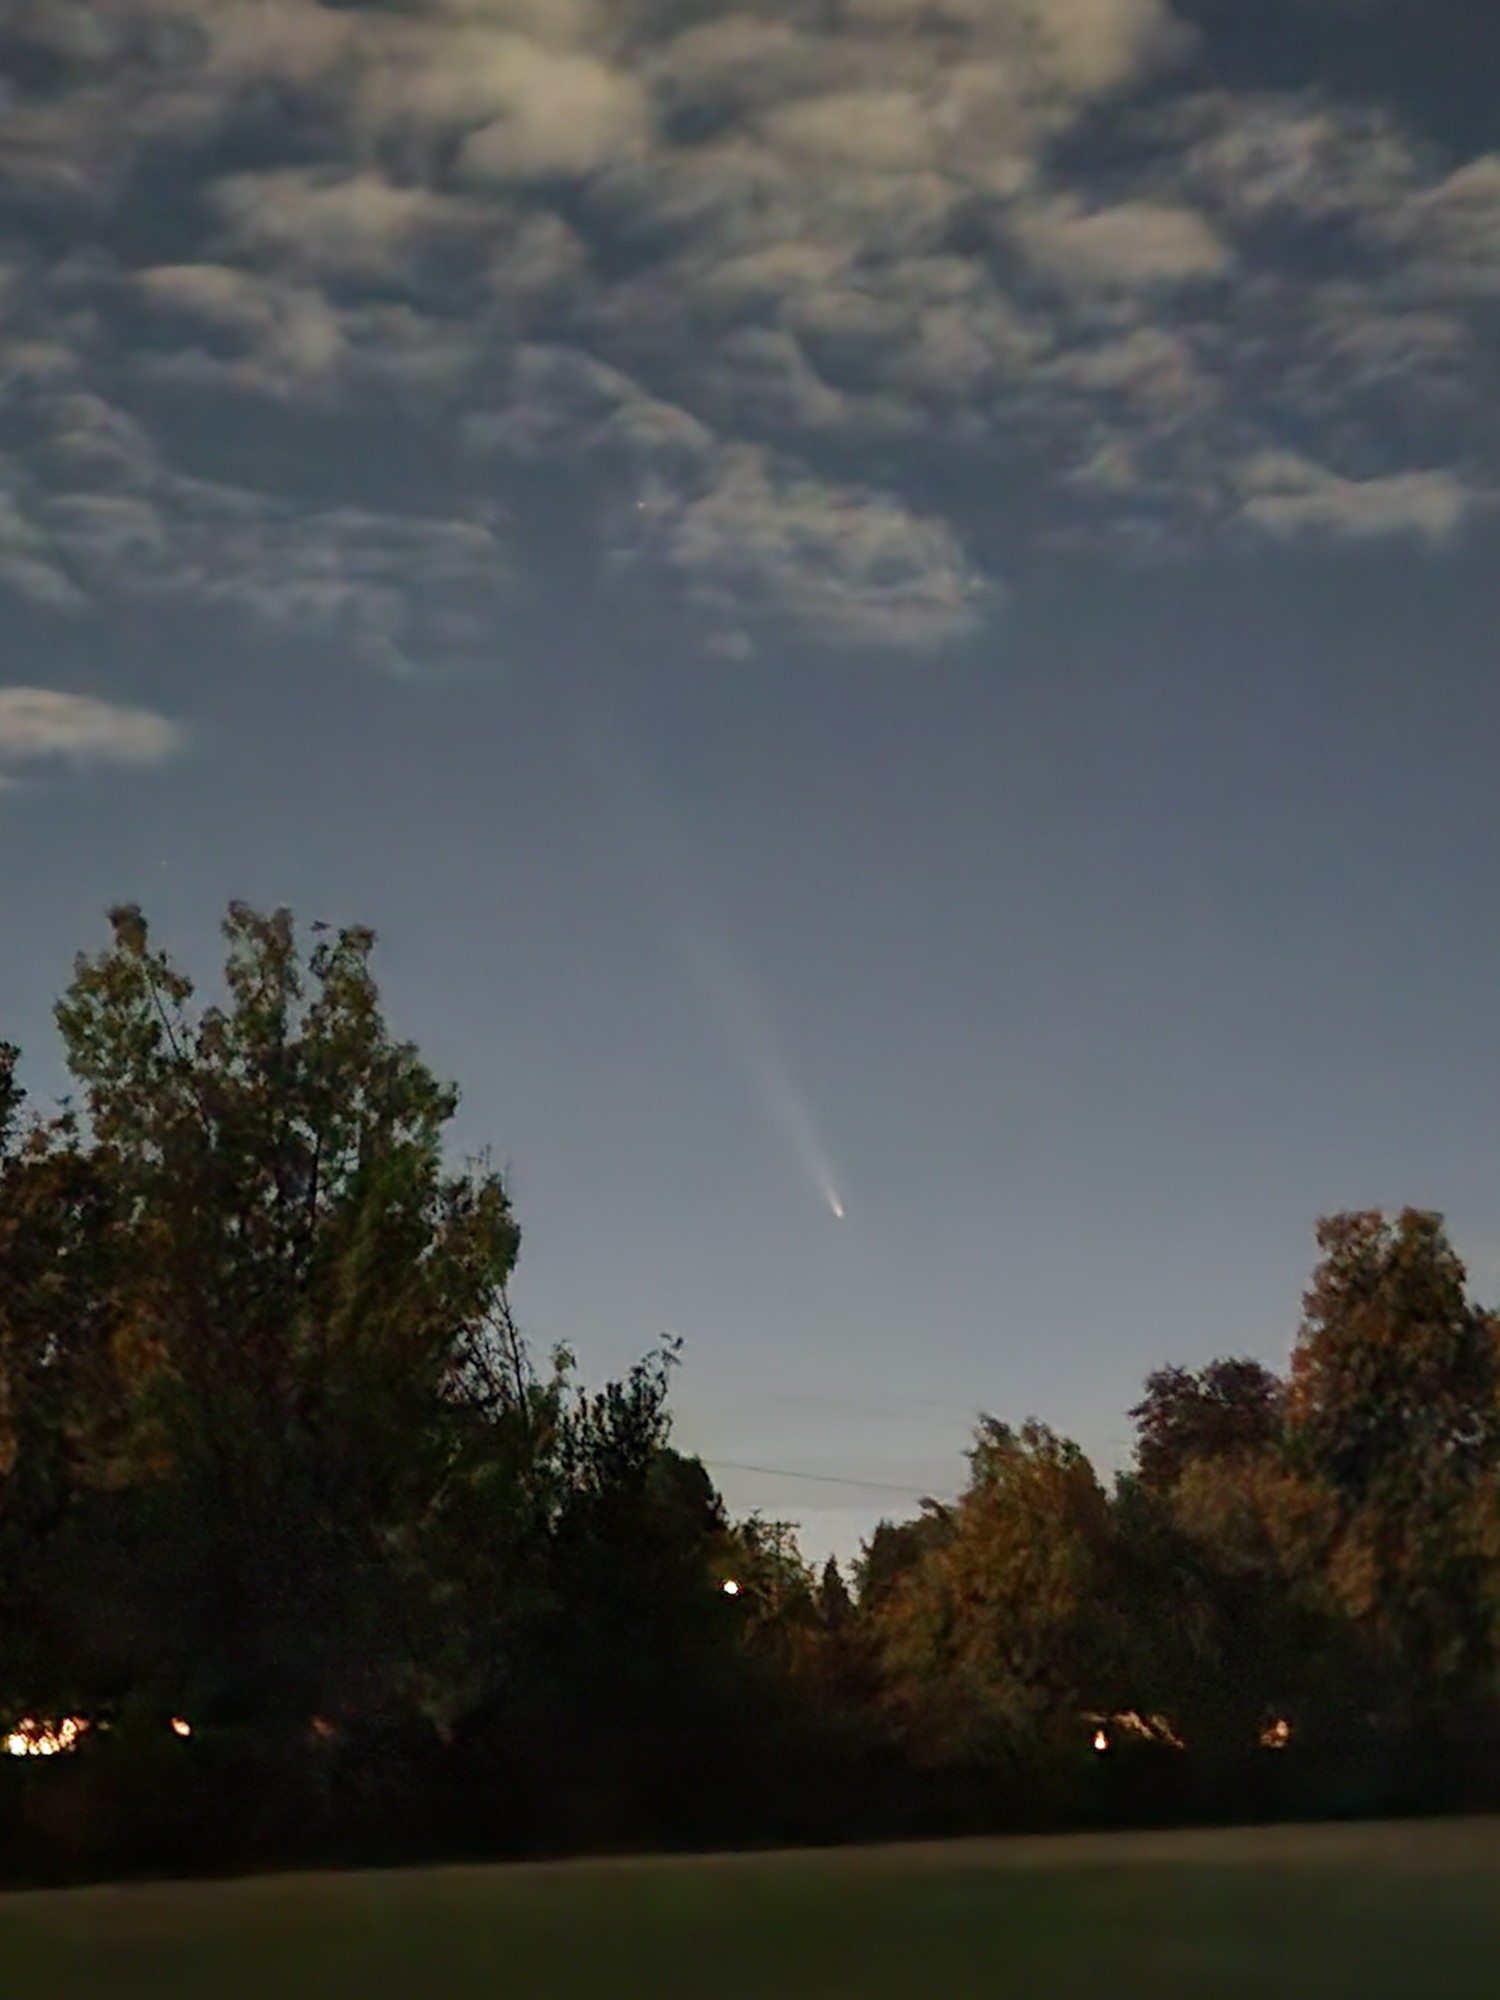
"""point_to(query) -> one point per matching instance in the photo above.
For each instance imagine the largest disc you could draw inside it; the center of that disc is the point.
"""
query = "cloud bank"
(295, 300)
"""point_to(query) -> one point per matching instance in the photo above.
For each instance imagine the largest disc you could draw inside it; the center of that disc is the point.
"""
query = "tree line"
(305, 1555)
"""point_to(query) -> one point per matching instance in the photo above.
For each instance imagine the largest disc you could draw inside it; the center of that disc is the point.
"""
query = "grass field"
(1328, 1912)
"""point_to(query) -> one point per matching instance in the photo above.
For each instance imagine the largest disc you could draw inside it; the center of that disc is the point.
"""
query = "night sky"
(887, 606)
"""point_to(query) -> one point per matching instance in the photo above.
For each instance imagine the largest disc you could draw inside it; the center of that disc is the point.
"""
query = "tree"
(1394, 1375)
(12, 1097)
(273, 1448)
(835, 1606)
(1395, 1404)
(894, 1551)
(1230, 1622)
(1228, 1408)
(71, 1358)
(284, 1291)
(996, 1637)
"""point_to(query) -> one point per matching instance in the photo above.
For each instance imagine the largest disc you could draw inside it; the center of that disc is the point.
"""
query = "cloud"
(563, 402)
(397, 589)
(761, 266)
(518, 109)
(45, 725)
(1288, 495)
(563, 117)
(836, 564)
(1082, 47)
(1449, 234)
(1132, 246)
(876, 130)
(1295, 159)
(321, 221)
(98, 515)
(758, 543)
(27, 564)
(1098, 46)
(282, 337)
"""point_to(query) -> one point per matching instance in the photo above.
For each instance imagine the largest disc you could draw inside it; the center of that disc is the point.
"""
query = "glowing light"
(708, 951)
(180, 1727)
(31, 1738)
(1276, 1735)
(730, 1587)
(1153, 1728)
(762, 1061)
(1101, 1739)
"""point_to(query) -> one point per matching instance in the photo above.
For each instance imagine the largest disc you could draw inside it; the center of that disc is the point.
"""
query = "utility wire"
(818, 1478)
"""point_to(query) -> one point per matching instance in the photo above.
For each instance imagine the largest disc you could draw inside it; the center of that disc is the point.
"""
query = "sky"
(888, 606)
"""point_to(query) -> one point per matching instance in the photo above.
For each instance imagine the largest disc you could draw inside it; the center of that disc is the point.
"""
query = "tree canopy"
(275, 1455)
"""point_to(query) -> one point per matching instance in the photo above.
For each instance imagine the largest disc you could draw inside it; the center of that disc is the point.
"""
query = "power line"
(818, 1478)
(904, 1409)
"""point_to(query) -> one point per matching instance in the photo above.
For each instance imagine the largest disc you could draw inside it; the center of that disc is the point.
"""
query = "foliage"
(1395, 1404)
(274, 1453)
(253, 1324)
(1228, 1408)
(993, 1639)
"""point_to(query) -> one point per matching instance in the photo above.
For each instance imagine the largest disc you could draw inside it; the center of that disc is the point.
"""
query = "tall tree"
(1230, 1623)
(998, 1635)
(1226, 1409)
(301, 1287)
(11, 1094)
(1395, 1403)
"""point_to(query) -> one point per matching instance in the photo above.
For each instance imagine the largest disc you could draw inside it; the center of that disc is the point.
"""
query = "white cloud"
(761, 376)
(90, 442)
(326, 222)
(520, 109)
(99, 516)
(562, 401)
(1133, 245)
(46, 725)
(394, 587)
(28, 562)
(566, 117)
(1087, 47)
(717, 68)
(255, 42)
(1296, 159)
(399, 590)
(1450, 234)
(751, 256)
(835, 564)
(1100, 45)
(874, 130)
(1288, 495)
(289, 335)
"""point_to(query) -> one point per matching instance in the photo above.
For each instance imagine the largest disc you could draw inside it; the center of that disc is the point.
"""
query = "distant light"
(1101, 1739)
(181, 1727)
(730, 1587)
(1277, 1735)
(31, 1738)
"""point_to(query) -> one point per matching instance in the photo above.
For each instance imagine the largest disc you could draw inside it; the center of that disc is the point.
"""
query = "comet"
(710, 960)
